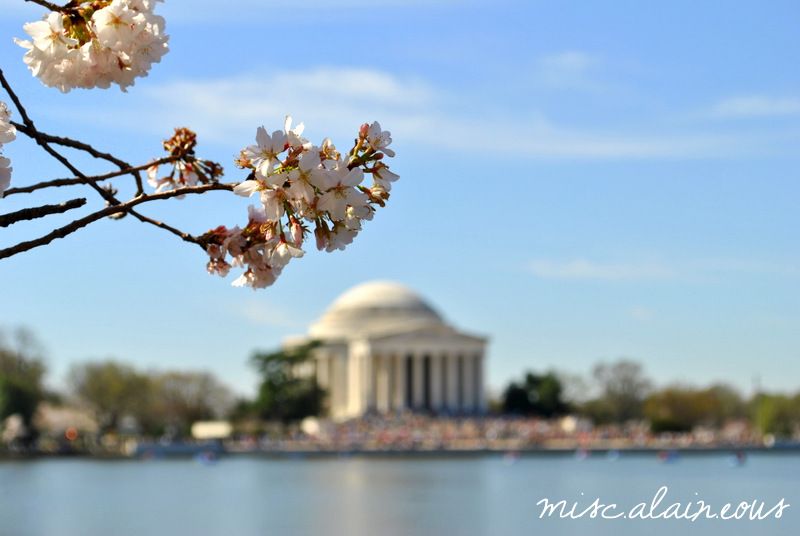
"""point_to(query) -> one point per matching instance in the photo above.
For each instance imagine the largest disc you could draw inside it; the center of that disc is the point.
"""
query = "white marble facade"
(385, 349)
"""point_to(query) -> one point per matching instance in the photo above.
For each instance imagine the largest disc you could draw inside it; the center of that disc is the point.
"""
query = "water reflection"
(354, 496)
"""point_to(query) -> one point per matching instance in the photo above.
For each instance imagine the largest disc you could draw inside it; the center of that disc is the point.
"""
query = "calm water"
(353, 496)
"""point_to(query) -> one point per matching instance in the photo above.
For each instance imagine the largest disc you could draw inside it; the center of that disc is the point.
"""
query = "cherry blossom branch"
(121, 208)
(95, 178)
(39, 212)
(34, 134)
(85, 147)
(44, 140)
(186, 237)
(314, 190)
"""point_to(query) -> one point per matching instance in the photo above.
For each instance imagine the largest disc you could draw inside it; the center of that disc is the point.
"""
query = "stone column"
(354, 383)
(480, 403)
(444, 380)
(359, 390)
(372, 382)
(382, 383)
(452, 382)
(419, 384)
(399, 363)
(367, 383)
(469, 384)
(436, 383)
(339, 385)
(391, 372)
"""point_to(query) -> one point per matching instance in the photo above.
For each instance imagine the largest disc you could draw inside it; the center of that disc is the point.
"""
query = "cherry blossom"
(187, 169)
(8, 133)
(293, 135)
(95, 44)
(342, 191)
(379, 139)
(264, 154)
(383, 177)
(300, 186)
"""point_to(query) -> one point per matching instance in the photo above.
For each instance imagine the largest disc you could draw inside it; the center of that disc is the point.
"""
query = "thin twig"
(39, 212)
(44, 140)
(33, 133)
(81, 146)
(126, 207)
(186, 237)
(95, 178)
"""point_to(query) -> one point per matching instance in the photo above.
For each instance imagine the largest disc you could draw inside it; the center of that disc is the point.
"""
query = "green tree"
(537, 394)
(21, 373)
(178, 399)
(623, 388)
(680, 408)
(288, 390)
(728, 404)
(777, 414)
(677, 409)
(112, 390)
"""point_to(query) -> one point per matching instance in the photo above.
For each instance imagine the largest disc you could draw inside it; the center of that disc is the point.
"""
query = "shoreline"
(409, 453)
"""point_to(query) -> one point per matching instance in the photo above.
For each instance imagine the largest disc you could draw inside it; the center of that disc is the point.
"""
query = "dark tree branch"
(39, 212)
(186, 237)
(85, 147)
(121, 208)
(115, 207)
(31, 132)
(95, 178)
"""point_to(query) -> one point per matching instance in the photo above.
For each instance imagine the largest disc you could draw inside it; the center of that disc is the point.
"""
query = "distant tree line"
(620, 392)
(124, 399)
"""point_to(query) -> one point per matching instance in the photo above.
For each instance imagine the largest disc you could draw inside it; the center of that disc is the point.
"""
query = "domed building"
(385, 349)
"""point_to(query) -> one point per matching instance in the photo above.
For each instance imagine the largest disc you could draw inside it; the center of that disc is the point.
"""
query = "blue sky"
(579, 182)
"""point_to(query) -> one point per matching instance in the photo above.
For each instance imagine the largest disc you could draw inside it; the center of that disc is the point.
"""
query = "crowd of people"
(414, 432)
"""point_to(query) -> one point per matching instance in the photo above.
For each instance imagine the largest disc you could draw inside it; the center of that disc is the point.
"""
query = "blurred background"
(607, 192)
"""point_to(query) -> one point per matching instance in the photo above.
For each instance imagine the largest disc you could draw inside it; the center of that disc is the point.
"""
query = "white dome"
(374, 308)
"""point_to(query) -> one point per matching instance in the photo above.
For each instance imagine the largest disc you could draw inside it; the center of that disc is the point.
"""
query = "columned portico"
(384, 350)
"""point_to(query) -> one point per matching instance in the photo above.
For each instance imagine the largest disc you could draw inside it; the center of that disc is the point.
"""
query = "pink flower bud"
(214, 251)
(297, 232)
(322, 235)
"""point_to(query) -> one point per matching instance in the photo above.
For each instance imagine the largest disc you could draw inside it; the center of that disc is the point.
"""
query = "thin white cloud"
(335, 100)
(589, 270)
(756, 106)
(696, 270)
(642, 313)
(331, 101)
(260, 313)
(570, 69)
(743, 267)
